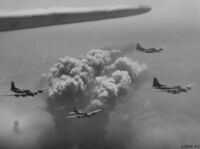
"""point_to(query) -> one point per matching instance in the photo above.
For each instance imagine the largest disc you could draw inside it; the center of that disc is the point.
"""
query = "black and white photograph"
(99, 74)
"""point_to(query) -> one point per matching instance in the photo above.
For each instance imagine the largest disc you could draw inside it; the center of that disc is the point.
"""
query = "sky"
(159, 120)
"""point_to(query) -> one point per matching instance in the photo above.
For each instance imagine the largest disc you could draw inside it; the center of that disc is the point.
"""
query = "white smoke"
(100, 79)
(102, 72)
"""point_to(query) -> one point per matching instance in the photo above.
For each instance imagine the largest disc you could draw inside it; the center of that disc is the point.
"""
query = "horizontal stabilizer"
(190, 86)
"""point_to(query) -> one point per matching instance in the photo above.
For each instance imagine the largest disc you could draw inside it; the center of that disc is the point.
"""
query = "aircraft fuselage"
(21, 91)
(152, 50)
(173, 89)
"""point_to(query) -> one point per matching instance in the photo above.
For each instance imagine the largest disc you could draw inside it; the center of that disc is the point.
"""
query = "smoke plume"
(99, 80)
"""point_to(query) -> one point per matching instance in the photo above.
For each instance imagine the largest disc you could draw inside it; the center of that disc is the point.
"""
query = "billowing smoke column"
(101, 79)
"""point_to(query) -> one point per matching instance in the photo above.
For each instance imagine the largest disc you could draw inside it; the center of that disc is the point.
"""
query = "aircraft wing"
(165, 90)
(73, 116)
(72, 113)
(25, 19)
(79, 111)
(95, 111)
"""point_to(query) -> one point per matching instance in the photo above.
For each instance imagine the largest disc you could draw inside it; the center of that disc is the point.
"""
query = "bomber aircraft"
(171, 89)
(145, 50)
(23, 92)
(82, 114)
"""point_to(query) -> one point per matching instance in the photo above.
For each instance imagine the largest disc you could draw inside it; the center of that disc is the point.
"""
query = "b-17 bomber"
(23, 92)
(82, 114)
(171, 89)
(146, 50)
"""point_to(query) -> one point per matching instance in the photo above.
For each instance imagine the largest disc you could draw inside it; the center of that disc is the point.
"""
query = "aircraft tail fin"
(75, 109)
(12, 87)
(156, 82)
(138, 46)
